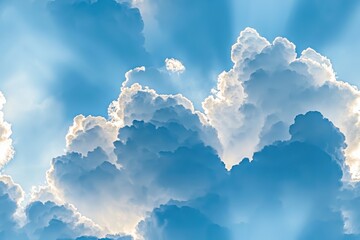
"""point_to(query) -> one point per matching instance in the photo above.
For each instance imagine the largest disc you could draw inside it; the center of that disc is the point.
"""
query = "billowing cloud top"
(274, 155)
(255, 102)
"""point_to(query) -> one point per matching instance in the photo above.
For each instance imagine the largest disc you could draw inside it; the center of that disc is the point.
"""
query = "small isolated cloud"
(173, 65)
(167, 26)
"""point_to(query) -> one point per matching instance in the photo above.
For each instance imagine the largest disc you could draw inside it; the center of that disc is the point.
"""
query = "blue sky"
(120, 103)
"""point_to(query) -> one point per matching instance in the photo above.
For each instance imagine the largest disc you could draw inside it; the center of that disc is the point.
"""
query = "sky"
(182, 119)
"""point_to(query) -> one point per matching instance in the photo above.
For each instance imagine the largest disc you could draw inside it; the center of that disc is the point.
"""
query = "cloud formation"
(163, 164)
(167, 158)
(154, 162)
(38, 219)
(174, 65)
(43, 220)
(254, 102)
(10, 195)
(289, 190)
(155, 168)
(65, 59)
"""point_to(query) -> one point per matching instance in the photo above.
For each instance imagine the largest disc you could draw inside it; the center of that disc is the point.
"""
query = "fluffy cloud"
(6, 149)
(88, 133)
(47, 220)
(10, 196)
(174, 65)
(41, 220)
(294, 185)
(254, 103)
(163, 166)
(155, 168)
(289, 190)
(65, 59)
(163, 145)
(166, 157)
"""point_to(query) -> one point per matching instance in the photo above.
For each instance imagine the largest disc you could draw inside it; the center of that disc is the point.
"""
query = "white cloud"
(267, 87)
(171, 130)
(14, 190)
(173, 65)
(88, 133)
(155, 148)
(37, 219)
(253, 105)
(6, 149)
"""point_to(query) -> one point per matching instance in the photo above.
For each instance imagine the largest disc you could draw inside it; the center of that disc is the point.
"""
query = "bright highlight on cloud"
(6, 149)
(153, 129)
(174, 65)
(274, 155)
(256, 101)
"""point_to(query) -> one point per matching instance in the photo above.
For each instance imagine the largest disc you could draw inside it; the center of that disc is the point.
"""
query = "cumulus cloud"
(255, 102)
(65, 59)
(286, 128)
(294, 185)
(47, 220)
(163, 166)
(174, 65)
(166, 79)
(88, 133)
(167, 158)
(10, 197)
(157, 138)
(39, 220)
(289, 190)
(42, 220)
